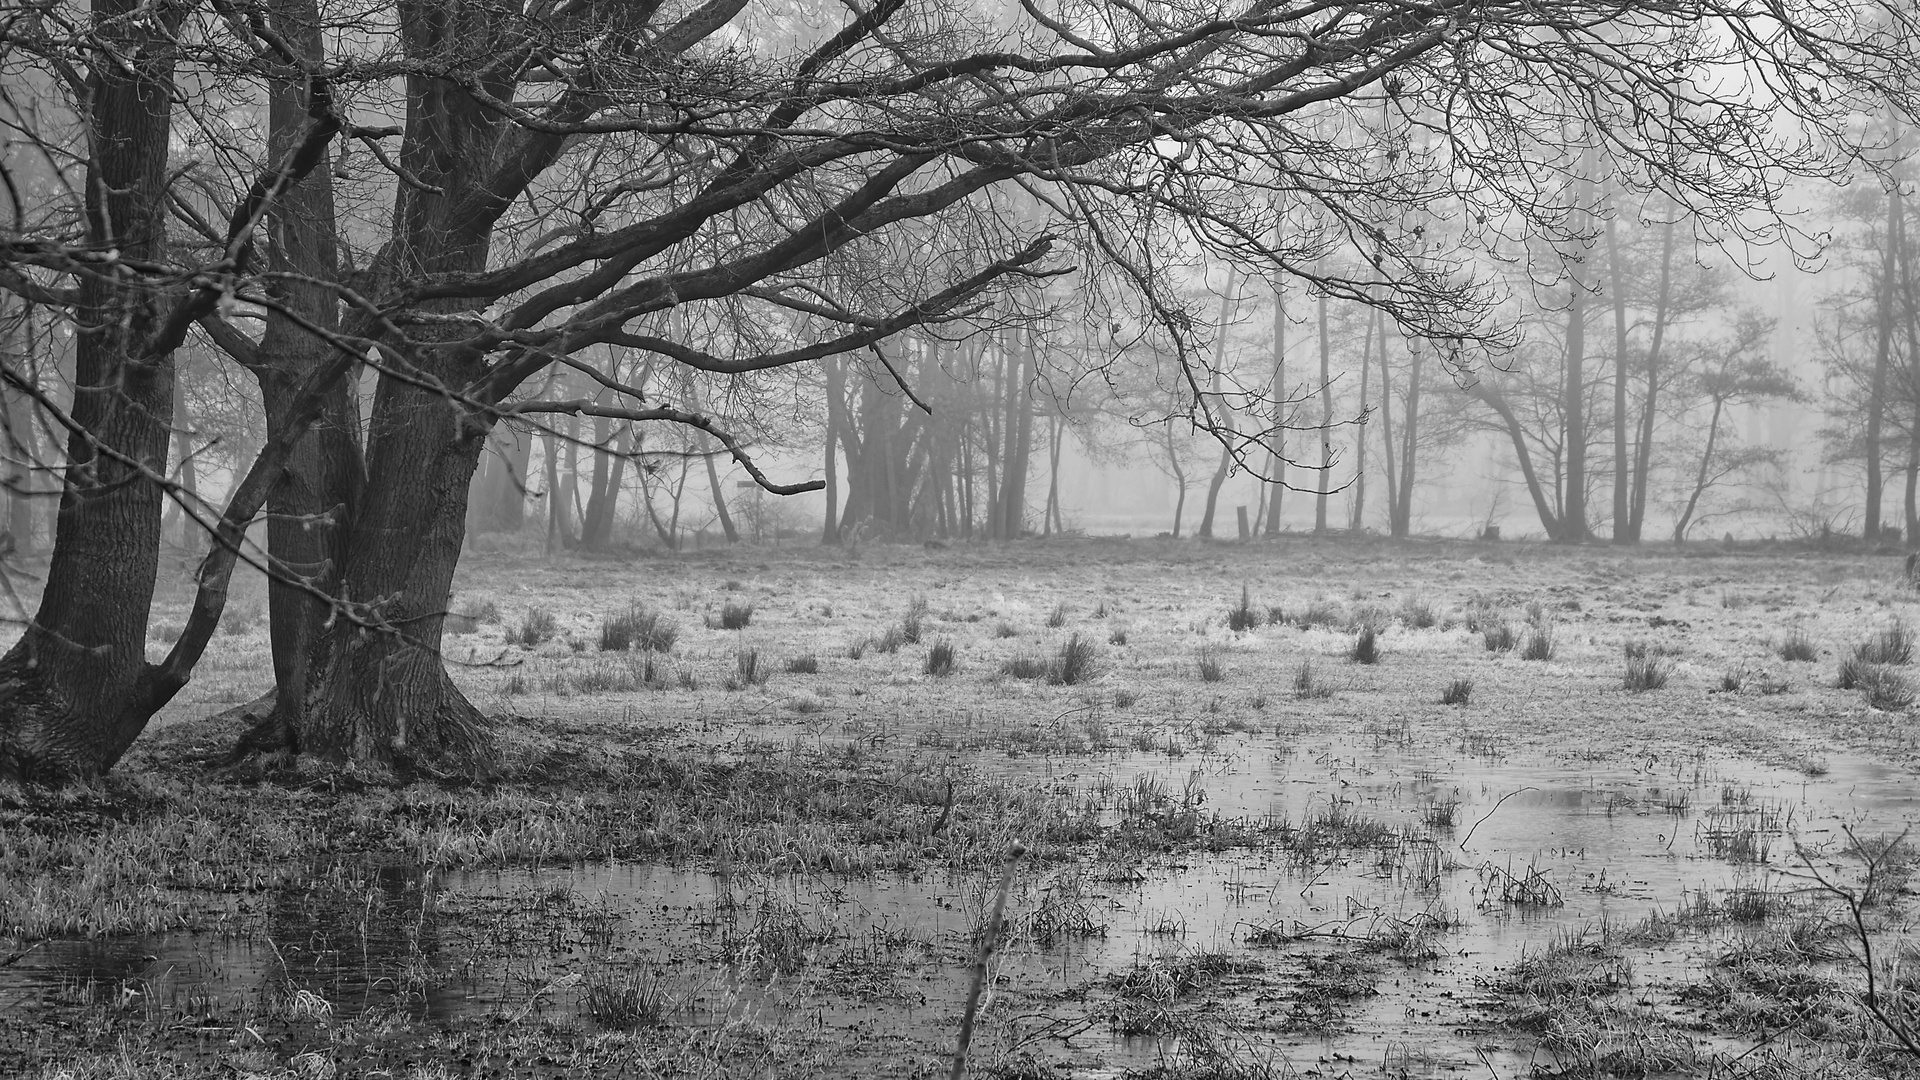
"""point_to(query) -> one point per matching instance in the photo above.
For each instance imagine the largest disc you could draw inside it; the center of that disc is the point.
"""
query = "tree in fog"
(1731, 374)
(463, 196)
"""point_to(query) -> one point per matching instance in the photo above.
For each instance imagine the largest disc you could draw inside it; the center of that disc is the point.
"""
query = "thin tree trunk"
(1912, 304)
(1643, 448)
(1277, 443)
(1356, 518)
(1541, 504)
(1409, 442)
(1386, 421)
(1226, 414)
(836, 401)
(1700, 478)
(1179, 480)
(1326, 423)
(719, 496)
(1622, 512)
(1877, 402)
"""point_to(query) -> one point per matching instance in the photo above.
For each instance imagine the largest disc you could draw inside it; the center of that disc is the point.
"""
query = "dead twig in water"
(996, 926)
(1490, 813)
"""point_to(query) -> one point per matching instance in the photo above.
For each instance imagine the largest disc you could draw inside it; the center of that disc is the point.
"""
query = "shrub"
(1307, 684)
(940, 658)
(1797, 646)
(1646, 670)
(1499, 636)
(804, 664)
(735, 616)
(1457, 692)
(1243, 617)
(1893, 645)
(1058, 616)
(1210, 666)
(1366, 646)
(1539, 643)
(538, 628)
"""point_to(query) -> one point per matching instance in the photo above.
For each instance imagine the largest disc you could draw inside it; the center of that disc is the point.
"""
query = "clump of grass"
(1732, 679)
(890, 641)
(1539, 642)
(748, 670)
(735, 615)
(940, 659)
(1074, 664)
(1885, 689)
(1647, 669)
(1125, 699)
(604, 676)
(627, 1004)
(1418, 613)
(1211, 670)
(1057, 618)
(858, 647)
(538, 628)
(1117, 636)
(1318, 613)
(804, 664)
(1366, 646)
(1458, 692)
(910, 624)
(1243, 617)
(1892, 645)
(1498, 636)
(1851, 672)
(637, 627)
(1005, 630)
(1024, 667)
(1797, 646)
(1440, 814)
(1307, 683)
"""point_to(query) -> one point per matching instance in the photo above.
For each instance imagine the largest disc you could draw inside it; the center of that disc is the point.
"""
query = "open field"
(1315, 807)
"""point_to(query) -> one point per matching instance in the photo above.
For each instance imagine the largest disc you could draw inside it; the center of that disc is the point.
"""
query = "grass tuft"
(1211, 670)
(1307, 683)
(538, 629)
(940, 659)
(1243, 617)
(1539, 642)
(1498, 636)
(1647, 669)
(735, 616)
(1458, 692)
(1892, 645)
(1366, 646)
(804, 664)
(637, 627)
(1797, 646)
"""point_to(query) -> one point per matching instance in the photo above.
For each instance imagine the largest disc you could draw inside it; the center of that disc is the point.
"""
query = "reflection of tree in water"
(361, 938)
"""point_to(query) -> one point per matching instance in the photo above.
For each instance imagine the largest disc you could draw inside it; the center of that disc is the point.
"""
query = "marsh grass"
(1889, 645)
(1318, 613)
(1057, 618)
(1243, 617)
(940, 659)
(536, 629)
(1539, 642)
(748, 671)
(637, 627)
(1648, 668)
(804, 664)
(1418, 613)
(1575, 964)
(1211, 669)
(1797, 646)
(626, 1003)
(1117, 636)
(735, 615)
(1366, 646)
(1307, 684)
(1498, 636)
(1457, 692)
(1885, 689)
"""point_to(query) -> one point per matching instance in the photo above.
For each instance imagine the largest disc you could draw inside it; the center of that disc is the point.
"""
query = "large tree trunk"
(1541, 504)
(76, 690)
(1877, 401)
(836, 402)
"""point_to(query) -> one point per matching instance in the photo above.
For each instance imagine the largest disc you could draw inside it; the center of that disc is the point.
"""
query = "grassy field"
(1310, 807)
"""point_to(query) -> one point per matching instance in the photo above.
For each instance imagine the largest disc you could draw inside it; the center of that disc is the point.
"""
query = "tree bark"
(1357, 518)
(1277, 443)
(76, 690)
(1326, 424)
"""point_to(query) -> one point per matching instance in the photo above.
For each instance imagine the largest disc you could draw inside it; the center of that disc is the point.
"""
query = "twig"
(1490, 813)
(996, 925)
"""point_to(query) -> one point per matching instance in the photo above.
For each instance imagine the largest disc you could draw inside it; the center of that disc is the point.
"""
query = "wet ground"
(1395, 888)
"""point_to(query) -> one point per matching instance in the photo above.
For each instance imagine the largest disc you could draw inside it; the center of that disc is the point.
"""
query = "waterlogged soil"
(1320, 872)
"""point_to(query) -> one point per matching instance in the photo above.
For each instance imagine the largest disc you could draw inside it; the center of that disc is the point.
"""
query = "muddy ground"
(1315, 807)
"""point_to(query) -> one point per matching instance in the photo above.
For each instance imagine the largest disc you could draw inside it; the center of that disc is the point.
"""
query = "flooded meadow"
(1309, 808)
